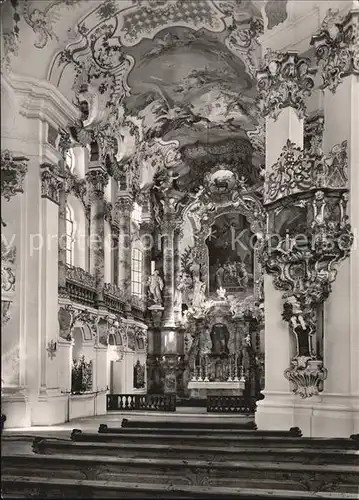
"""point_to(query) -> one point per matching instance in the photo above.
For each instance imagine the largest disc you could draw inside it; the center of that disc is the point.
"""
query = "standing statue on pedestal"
(199, 296)
(183, 285)
(155, 287)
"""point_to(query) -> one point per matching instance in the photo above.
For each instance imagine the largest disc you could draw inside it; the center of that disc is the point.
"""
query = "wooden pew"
(50, 446)
(235, 474)
(205, 424)
(104, 428)
(24, 487)
(210, 440)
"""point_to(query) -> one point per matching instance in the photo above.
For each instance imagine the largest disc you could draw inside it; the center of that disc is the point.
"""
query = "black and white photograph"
(179, 249)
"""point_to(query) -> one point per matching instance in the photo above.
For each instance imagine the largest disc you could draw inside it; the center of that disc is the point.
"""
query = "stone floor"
(19, 440)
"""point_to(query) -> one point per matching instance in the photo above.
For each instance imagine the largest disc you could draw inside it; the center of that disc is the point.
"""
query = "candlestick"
(206, 379)
(194, 370)
(243, 378)
(236, 368)
(230, 370)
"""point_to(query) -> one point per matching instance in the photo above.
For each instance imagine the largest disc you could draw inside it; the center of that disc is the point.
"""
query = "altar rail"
(135, 402)
(231, 404)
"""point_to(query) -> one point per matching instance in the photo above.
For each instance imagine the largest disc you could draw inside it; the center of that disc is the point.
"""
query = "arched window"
(136, 271)
(137, 213)
(69, 160)
(70, 236)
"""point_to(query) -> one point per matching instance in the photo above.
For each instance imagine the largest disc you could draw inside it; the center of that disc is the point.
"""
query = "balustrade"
(148, 402)
(231, 404)
(80, 285)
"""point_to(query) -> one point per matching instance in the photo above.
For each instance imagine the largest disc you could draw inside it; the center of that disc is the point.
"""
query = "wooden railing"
(231, 404)
(135, 402)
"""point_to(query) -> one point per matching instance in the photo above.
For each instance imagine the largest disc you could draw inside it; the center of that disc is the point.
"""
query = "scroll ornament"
(304, 266)
(285, 79)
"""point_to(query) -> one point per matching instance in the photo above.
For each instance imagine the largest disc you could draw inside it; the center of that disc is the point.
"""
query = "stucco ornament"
(312, 188)
(285, 79)
(13, 171)
(337, 47)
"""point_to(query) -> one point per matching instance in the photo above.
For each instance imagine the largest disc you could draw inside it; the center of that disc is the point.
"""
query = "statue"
(221, 292)
(220, 338)
(183, 285)
(220, 276)
(155, 287)
(199, 296)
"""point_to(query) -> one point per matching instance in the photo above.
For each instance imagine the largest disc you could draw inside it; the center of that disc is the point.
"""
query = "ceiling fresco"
(187, 86)
(178, 71)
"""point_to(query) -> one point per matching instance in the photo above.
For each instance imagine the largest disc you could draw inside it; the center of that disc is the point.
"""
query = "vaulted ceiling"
(183, 69)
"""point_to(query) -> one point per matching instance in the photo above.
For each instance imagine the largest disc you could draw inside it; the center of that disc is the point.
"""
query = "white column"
(339, 410)
(275, 411)
(338, 413)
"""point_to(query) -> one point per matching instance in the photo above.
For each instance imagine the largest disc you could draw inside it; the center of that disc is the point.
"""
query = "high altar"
(214, 324)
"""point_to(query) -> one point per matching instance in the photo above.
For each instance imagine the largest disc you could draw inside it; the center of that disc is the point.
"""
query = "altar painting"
(230, 254)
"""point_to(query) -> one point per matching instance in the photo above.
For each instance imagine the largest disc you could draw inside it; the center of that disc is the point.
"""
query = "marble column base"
(275, 411)
(326, 415)
(51, 408)
(16, 407)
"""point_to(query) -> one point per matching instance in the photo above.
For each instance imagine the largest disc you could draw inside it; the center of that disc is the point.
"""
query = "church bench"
(211, 440)
(225, 424)
(311, 477)
(103, 428)
(267, 454)
(25, 487)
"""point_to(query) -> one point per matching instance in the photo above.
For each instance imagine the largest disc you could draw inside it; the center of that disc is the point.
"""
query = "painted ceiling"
(182, 69)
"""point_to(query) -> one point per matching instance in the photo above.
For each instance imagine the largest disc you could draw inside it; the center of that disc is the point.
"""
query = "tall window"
(136, 213)
(70, 236)
(136, 271)
(69, 159)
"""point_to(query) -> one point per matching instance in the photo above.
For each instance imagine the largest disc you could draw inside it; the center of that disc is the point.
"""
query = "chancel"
(180, 208)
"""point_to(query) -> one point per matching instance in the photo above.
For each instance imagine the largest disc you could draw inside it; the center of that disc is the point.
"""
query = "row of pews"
(144, 459)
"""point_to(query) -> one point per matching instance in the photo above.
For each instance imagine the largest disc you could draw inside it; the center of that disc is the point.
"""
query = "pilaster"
(284, 82)
(336, 45)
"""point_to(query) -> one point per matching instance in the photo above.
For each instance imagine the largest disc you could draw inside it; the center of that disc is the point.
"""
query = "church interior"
(180, 271)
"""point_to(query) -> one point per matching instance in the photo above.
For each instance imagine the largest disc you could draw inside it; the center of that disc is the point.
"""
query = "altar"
(203, 389)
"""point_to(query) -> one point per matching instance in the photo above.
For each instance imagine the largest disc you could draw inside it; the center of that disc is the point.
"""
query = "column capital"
(124, 204)
(13, 171)
(337, 47)
(52, 181)
(284, 80)
(97, 179)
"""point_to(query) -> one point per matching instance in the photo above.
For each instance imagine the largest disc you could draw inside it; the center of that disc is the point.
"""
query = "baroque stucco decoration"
(13, 171)
(224, 192)
(337, 47)
(285, 79)
(306, 199)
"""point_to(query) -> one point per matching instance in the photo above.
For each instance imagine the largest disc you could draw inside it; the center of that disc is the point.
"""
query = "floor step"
(25, 487)
(155, 450)
(237, 474)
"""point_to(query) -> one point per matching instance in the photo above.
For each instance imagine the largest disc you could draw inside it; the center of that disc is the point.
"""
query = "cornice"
(40, 99)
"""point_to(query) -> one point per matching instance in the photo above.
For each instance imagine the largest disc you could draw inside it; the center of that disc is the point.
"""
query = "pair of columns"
(97, 179)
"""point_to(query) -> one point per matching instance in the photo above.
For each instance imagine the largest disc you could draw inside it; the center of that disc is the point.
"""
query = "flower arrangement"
(81, 380)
